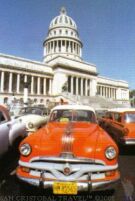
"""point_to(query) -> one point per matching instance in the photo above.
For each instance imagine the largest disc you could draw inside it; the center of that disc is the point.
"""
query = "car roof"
(73, 107)
(120, 110)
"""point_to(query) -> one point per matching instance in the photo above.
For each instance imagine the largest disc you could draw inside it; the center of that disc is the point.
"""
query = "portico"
(38, 85)
(62, 69)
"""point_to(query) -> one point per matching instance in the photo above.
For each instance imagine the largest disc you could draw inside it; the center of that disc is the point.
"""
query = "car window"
(73, 115)
(30, 110)
(109, 115)
(117, 117)
(2, 118)
(129, 117)
(36, 111)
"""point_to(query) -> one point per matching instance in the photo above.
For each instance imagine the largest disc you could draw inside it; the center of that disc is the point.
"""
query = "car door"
(107, 122)
(4, 132)
(117, 126)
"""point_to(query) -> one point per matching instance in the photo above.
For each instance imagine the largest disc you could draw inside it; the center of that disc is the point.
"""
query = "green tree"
(132, 97)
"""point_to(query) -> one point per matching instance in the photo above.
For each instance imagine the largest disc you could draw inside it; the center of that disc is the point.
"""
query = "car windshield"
(73, 115)
(129, 117)
(38, 111)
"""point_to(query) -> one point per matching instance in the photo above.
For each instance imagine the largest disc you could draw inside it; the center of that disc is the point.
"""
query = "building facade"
(62, 70)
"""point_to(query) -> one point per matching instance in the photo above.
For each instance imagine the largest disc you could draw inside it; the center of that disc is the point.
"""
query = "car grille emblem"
(67, 169)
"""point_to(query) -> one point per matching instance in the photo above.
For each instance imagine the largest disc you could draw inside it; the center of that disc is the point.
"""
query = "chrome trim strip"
(64, 159)
(129, 141)
(57, 169)
(94, 167)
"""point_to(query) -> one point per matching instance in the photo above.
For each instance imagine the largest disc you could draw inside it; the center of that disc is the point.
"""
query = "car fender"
(17, 130)
(36, 120)
(4, 136)
(36, 124)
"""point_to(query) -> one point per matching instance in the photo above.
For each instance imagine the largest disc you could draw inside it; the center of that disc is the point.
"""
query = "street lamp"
(25, 95)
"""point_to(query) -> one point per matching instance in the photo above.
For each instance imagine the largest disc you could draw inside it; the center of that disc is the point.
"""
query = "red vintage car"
(120, 124)
(71, 153)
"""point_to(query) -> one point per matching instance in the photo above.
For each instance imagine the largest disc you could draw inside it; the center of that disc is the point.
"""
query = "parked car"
(100, 112)
(32, 121)
(33, 117)
(38, 110)
(120, 124)
(10, 131)
(71, 153)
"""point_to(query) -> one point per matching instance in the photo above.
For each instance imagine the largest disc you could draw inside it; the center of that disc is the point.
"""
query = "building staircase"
(94, 101)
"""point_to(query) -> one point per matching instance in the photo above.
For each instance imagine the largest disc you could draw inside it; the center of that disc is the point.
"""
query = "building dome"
(62, 38)
(63, 20)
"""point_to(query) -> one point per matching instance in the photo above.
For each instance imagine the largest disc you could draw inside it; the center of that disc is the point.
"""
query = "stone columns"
(76, 86)
(57, 46)
(32, 85)
(81, 86)
(110, 92)
(10, 82)
(72, 85)
(89, 87)
(44, 86)
(86, 87)
(2, 82)
(38, 87)
(25, 95)
(53, 46)
(18, 83)
(50, 86)
(25, 78)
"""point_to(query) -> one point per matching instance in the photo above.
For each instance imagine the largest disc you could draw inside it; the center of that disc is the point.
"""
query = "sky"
(106, 28)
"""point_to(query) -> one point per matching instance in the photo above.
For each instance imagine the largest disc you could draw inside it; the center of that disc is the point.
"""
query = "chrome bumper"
(92, 174)
(128, 141)
(82, 186)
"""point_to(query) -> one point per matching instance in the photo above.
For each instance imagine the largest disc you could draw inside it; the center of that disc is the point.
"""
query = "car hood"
(77, 138)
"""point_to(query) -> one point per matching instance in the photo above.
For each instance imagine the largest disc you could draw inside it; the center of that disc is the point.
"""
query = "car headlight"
(110, 153)
(30, 125)
(25, 149)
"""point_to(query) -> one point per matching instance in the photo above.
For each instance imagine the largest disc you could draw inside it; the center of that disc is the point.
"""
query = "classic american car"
(10, 131)
(32, 121)
(120, 124)
(14, 130)
(71, 153)
(33, 117)
(39, 110)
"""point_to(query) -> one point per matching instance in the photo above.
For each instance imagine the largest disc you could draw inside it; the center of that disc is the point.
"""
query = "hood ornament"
(67, 142)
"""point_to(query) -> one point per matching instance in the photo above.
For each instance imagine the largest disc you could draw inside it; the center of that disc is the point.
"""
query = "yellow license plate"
(65, 188)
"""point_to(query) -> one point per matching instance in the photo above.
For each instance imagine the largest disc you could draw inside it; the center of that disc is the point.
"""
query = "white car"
(14, 130)
(10, 130)
(32, 121)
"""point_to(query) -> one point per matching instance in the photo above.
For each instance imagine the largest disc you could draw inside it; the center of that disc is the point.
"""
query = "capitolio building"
(62, 74)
